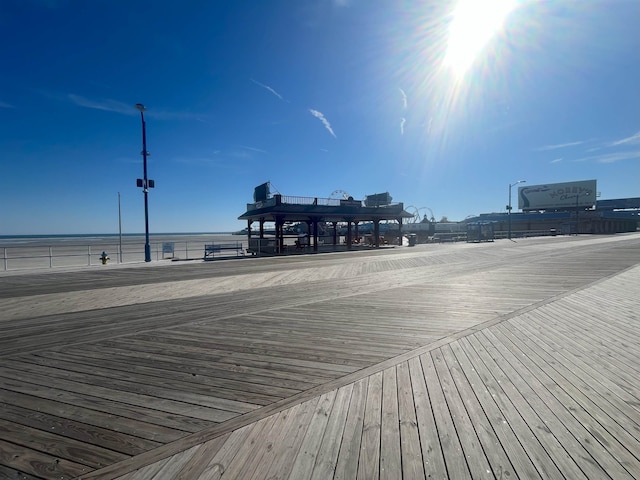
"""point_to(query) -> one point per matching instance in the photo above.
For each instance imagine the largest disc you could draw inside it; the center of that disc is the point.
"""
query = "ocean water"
(50, 251)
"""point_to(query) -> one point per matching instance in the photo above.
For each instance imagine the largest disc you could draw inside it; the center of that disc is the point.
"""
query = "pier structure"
(314, 211)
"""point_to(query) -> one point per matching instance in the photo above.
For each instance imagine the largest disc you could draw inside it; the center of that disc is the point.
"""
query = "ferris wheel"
(416, 213)
(339, 195)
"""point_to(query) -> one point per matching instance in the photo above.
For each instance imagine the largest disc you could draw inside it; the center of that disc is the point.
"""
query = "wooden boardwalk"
(504, 360)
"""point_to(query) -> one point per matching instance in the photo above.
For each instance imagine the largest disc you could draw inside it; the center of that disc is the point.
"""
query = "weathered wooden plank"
(128, 430)
(347, 466)
(199, 366)
(390, 455)
(507, 440)
(58, 445)
(82, 432)
(454, 456)
(251, 451)
(613, 379)
(573, 435)
(196, 383)
(432, 458)
(576, 403)
(268, 450)
(305, 459)
(131, 383)
(369, 458)
(194, 354)
(589, 393)
(38, 464)
(327, 456)
(100, 389)
(90, 402)
(467, 435)
(148, 472)
(7, 473)
(412, 462)
(286, 451)
(493, 450)
(202, 453)
(172, 468)
(544, 450)
(220, 462)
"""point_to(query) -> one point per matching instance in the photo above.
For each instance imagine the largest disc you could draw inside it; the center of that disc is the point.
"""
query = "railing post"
(50, 257)
(89, 255)
(186, 250)
(6, 266)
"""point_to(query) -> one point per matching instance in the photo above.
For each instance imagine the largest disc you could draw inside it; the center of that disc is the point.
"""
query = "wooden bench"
(211, 249)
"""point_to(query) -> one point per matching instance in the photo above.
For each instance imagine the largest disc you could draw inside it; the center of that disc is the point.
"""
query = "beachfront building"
(566, 208)
(314, 221)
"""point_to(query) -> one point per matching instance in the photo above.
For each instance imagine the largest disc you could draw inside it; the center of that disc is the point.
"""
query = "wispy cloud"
(253, 149)
(267, 87)
(404, 98)
(105, 105)
(611, 157)
(558, 146)
(607, 151)
(321, 117)
(122, 108)
(5, 105)
(632, 139)
(402, 122)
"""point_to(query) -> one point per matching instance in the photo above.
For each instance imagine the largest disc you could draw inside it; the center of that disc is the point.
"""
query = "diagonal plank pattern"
(394, 363)
(502, 402)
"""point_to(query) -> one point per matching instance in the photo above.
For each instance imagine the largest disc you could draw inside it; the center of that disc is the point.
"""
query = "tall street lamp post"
(145, 184)
(509, 205)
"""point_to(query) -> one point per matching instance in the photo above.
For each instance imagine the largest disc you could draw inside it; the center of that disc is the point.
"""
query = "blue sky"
(440, 106)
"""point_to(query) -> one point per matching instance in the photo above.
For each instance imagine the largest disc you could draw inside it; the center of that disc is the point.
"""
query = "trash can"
(413, 239)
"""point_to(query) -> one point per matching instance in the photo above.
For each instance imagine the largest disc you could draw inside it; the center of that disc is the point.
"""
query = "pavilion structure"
(315, 212)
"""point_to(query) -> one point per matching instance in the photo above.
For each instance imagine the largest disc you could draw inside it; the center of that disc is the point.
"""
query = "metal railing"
(27, 257)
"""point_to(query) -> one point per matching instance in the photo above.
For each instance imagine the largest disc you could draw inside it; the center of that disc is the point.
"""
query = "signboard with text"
(557, 196)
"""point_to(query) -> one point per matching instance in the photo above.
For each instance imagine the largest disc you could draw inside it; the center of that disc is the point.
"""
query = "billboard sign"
(261, 192)
(378, 200)
(557, 196)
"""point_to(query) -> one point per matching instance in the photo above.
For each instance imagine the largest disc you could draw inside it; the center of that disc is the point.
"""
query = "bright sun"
(474, 23)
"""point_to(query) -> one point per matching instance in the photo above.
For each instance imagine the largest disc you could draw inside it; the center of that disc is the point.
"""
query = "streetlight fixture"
(509, 205)
(145, 184)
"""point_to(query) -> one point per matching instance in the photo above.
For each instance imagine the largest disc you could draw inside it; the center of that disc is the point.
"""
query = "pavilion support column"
(279, 233)
(376, 232)
(249, 222)
(261, 227)
(357, 234)
(335, 233)
(400, 231)
(315, 221)
(309, 231)
(349, 237)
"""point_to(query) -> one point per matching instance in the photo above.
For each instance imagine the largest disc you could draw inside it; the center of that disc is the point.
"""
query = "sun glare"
(474, 24)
